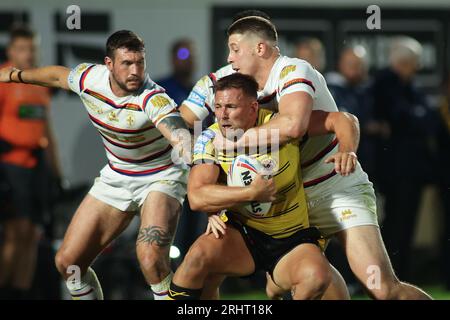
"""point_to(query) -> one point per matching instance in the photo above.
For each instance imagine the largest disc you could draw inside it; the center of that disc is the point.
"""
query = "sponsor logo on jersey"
(91, 105)
(159, 101)
(286, 70)
(197, 98)
(347, 214)
(202, 140)
(81, 68)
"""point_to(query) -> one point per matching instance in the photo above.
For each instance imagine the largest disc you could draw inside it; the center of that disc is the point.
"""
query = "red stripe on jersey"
(145, 159)
(321, 154)
(139, 173)
(213, 78)
(268, 98)
(298, 80)
(311, 183)
(107, 126)
(83, 76)
(99, 96)
(132, 146)
(151, 94)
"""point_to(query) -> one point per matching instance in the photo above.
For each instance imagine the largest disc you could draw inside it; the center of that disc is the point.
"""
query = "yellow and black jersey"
(288, 213)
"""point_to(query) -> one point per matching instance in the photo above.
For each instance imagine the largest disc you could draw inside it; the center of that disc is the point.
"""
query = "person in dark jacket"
(404, 158)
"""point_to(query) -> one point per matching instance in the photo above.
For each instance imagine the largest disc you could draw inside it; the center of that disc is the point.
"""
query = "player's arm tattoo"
(173, 123)
(175, 130)
(154, 235)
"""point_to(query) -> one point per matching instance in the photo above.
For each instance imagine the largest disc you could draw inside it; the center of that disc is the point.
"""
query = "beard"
(124, 86)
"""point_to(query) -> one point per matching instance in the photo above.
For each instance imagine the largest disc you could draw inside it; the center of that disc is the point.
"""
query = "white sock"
(88, 288)
(161, 290)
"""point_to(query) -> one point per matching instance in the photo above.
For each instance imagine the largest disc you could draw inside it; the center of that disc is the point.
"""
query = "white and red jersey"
(127, 125)
(289, 75)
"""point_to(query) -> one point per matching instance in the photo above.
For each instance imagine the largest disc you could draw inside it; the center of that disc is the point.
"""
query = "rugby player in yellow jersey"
(280, 242)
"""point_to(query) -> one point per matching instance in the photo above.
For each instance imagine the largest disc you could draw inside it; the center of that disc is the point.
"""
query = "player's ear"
(109, 63)
(261, 48)
(254, 106)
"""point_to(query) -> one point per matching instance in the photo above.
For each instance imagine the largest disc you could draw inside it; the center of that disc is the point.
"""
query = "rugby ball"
(240, 174)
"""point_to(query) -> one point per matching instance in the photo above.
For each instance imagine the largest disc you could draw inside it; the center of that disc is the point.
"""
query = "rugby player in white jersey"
(340, 205)
(135, 120)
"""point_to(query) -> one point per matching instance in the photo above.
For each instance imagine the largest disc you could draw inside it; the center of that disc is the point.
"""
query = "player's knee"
(151, 259)
(63, 261)
(199, 258)
(312, 280)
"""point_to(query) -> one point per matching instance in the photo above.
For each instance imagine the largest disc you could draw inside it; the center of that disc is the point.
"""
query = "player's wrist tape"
(19, 75)
(10, 75)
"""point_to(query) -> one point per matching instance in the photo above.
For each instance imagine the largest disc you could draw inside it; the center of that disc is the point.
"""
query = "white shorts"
(129, 193)
(355, 206)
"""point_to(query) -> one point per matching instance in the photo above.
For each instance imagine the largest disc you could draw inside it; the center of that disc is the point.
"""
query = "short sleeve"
(201, 99)
(298, 76)
(77, 76)
(158, 106)
(204, 151)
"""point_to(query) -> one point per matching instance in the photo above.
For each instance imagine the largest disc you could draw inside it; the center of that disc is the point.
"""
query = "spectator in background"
(179, 84)
(349, 87)
(311, 50)
(404, 159)
(27, 143)
(443, 141)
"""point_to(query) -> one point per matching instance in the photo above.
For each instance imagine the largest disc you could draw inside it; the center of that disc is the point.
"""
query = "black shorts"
(267, 251)
(26, 194)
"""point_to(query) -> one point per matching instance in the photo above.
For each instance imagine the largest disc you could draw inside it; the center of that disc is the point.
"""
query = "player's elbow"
(354, 119)
(296, 130)
(195, 201)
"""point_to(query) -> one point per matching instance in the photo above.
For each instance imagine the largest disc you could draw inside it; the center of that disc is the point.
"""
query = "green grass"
(437, 292)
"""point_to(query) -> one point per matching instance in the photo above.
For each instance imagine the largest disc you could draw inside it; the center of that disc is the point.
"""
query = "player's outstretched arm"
(206, 195)
(346, 127)
(49, 76)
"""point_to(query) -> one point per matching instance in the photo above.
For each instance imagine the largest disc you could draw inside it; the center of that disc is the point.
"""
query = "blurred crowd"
(405, 139)
(404, 147)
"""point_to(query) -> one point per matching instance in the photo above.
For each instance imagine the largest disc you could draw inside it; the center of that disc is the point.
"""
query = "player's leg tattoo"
(154, 235)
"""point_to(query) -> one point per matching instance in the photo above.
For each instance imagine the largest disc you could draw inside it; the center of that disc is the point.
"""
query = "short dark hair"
(250, 13)
(20, 32)
(124, 39)
(262, 27)
(246, 83)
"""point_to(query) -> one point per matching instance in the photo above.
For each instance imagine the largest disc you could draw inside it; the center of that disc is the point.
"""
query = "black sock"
(180, 293)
